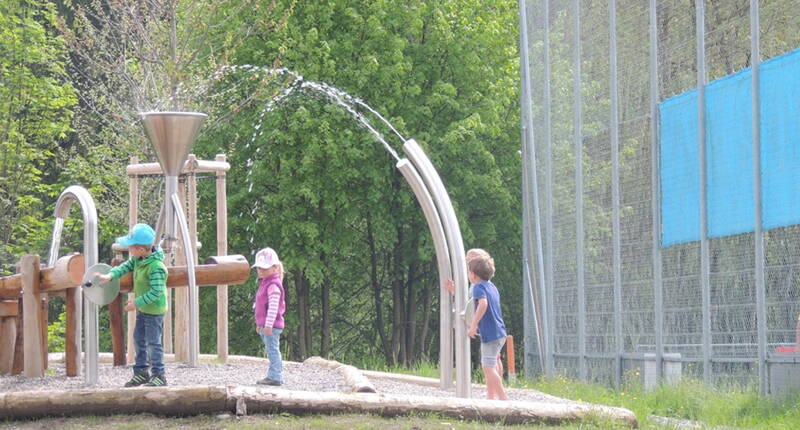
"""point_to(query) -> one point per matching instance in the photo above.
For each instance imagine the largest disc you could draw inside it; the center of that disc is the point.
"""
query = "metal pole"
(761, 313)
(705, 280)
(548, 169)
(655, 202)
(579, 233)
(615, 198)
(534, 187)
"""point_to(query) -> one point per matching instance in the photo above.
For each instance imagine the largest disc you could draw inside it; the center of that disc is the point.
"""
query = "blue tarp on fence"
(729, 154)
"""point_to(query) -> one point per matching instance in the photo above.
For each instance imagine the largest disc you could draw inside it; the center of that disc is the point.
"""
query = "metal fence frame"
(538, 242)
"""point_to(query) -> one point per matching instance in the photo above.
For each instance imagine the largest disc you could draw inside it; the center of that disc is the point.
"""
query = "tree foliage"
(323, 192)
(36, 103)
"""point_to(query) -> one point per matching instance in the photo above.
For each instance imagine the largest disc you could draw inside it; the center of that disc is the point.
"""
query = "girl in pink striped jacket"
(269, 307)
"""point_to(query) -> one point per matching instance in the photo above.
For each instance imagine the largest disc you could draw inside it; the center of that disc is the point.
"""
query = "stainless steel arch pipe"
(446, 311)
(71, 194)
(458, 263)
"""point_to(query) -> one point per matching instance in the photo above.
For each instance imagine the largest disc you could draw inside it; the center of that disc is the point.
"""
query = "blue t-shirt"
(491, 325)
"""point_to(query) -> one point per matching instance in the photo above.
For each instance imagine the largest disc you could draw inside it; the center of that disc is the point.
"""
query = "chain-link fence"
(662, 189)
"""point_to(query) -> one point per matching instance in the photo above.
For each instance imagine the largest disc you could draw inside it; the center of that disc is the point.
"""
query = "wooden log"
(67, 273)
(210, 400)
(222, 249)
(8, 339)
(354, 378)
(159, 400)
(71, 340)
(230, 270)
(261, 400)
(31, 325)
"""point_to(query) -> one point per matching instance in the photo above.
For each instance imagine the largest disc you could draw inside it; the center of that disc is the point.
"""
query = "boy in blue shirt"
(488, 320)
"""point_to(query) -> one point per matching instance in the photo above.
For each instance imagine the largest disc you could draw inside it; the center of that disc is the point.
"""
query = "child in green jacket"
(149, 282)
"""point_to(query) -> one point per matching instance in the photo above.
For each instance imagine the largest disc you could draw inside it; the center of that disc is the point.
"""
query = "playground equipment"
(443, 224)
(23, 314)
(23, 307)
(24, 296)
(70, 195)
(172, 135)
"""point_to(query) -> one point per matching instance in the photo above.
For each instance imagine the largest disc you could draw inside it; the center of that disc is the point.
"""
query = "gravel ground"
(297, 376)
(395, 387)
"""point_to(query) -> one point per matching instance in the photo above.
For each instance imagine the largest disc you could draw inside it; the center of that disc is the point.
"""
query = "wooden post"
(181, 327)
(32, 320)
(222, 249)
(9, 311)
(72, 358)
(17, 366)
(115, 320)
(43, 316)
(133, 215)
(512, 371)
(191, 219)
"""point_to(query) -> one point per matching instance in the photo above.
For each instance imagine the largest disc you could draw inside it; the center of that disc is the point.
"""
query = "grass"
(690, 400)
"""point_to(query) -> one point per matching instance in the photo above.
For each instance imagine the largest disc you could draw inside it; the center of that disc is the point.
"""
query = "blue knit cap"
(141, 234)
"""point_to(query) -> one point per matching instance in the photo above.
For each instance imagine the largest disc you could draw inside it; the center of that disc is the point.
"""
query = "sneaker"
(138, 379)
(267, 381)
(157, 381)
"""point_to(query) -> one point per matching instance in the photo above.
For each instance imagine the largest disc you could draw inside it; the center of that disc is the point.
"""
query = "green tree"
(36, 103)
(361, 276)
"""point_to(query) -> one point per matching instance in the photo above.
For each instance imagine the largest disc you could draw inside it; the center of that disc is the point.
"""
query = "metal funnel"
(172, 135)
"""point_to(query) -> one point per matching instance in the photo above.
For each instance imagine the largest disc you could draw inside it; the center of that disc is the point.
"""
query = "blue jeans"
(272, 345)
(147, 340)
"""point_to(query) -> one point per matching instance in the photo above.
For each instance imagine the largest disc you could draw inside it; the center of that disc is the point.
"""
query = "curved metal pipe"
(194, 302)
(457, 259)
(71, 194)
(443, 263)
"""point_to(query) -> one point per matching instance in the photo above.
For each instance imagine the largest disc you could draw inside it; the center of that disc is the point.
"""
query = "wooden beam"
(196, 166)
